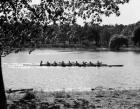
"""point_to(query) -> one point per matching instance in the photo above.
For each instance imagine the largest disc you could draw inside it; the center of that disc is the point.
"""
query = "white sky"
(129, 14)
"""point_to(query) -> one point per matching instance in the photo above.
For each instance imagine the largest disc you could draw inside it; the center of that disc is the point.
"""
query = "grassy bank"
(98, 98)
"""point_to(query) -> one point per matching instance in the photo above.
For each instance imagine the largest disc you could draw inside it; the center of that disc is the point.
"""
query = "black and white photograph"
(69, 54)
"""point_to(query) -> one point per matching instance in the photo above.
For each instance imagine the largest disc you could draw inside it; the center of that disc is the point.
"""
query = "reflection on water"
(17, 75)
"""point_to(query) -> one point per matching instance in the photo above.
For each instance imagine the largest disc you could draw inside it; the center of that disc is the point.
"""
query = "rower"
(63, 64)
(41, 63)
(48, 64)
(84, 63)
(77, 63)
(99, 63)
(90, 63)
(70, 63)
(55, 64)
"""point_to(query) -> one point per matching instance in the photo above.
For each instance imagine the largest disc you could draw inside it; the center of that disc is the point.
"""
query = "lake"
(17, 75)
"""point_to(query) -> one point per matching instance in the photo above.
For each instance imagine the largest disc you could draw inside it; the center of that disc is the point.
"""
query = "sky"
(129, 14)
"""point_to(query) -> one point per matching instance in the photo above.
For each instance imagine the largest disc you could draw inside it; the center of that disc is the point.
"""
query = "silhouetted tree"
(9, 10)
(136, 37)
(117, 41)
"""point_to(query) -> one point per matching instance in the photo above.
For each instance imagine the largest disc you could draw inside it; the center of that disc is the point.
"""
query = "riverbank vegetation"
(98, 98)
(29, 34)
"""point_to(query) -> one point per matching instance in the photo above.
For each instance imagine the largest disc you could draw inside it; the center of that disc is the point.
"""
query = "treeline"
(34, 34)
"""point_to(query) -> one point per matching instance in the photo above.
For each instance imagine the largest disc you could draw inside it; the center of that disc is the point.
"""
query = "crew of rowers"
(71, 64)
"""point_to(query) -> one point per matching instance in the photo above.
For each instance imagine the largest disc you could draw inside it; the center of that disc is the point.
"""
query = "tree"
(136, 37)
(92, 34)
(117, 41)
(105, 37)
(54, 11)
(7, 7)
(15, 11)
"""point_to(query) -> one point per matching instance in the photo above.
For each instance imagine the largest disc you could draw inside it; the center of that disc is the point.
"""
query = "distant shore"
(63, 49)
(66, 48)
(98, 98)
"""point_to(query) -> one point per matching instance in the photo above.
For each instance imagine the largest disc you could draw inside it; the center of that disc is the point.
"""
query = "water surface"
(16, 75)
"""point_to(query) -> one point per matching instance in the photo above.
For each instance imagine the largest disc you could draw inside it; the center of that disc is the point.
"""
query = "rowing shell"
(74, 65)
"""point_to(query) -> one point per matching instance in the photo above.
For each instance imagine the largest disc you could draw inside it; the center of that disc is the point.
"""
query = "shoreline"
(74, 90)
(65, 49)
(69, 49)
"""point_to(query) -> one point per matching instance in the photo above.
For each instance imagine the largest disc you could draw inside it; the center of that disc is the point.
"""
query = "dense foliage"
(59, 10)
(117, 41)
(29, 34)
(136, 37)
